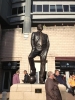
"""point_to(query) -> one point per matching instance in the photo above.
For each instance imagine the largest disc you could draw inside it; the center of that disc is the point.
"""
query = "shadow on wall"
(7, 43)
(10, 43)
(7, 47)
(7, 50)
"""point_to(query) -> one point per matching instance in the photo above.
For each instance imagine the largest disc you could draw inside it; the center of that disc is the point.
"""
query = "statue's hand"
(33, 50)
(44, 53)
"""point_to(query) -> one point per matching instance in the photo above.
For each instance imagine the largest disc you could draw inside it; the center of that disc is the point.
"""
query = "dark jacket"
(35, 41)
(60, 79)
(52, 90)
(26, 78)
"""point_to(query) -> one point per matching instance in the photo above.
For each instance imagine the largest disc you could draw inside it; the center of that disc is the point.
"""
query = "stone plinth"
(27, 92)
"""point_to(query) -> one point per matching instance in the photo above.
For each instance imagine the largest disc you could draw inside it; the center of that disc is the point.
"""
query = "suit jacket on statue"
(35, 41)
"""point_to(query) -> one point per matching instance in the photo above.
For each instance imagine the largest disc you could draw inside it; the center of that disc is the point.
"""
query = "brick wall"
(15, 47)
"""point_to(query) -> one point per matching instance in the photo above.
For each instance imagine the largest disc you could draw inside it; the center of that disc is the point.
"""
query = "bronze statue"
(40, 46)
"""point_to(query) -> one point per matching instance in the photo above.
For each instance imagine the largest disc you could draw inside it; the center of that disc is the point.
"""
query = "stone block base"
(31, 92)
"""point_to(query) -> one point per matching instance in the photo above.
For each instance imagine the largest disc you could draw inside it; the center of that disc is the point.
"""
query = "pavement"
(68, 96)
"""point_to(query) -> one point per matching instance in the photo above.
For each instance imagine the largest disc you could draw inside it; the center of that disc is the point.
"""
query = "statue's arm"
(45, 51)
(48, 43)
(32, 41)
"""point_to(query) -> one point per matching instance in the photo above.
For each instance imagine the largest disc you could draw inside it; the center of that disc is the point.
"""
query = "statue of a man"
(40, 46)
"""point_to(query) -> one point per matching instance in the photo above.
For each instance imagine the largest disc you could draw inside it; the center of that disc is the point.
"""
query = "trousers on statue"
(42, 55)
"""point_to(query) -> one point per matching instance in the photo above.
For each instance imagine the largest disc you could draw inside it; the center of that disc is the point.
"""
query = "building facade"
(18, 19)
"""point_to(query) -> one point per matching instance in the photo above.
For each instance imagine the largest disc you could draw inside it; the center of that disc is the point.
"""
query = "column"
(67, 77)
(0, 39)
(0, 62)
(0, 32)
(27, 19)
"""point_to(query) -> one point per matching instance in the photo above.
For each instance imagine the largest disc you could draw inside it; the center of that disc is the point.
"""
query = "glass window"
(72, 8)
(14, 11)
(33, 8)
(52, 8)
(39, 8)
(24, 9)
(20, 10)
(45, 8)
(59, 8)
(66, 8)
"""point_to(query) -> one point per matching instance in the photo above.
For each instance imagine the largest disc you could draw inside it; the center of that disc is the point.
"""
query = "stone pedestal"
(31, 92)
(63, 91)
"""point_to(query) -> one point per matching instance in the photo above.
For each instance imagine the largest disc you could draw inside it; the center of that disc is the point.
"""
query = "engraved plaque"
(38, 90)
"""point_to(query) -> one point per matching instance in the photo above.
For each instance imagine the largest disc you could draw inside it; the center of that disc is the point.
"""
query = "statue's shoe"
(33, 73)
(42, 82)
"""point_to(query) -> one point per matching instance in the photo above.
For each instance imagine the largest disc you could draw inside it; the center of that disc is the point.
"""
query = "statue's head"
(40, 27)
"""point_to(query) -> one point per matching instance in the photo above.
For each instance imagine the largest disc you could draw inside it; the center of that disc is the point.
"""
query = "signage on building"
(10, 65)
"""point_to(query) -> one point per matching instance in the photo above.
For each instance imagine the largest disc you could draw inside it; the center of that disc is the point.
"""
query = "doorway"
(12, 73)
(7, 79)
(9, 69)
(37, 66)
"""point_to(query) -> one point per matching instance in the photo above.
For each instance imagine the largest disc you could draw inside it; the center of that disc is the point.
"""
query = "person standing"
(26, 77)
(72, 84)
(51, 87)
(60, 78)
(16, 79)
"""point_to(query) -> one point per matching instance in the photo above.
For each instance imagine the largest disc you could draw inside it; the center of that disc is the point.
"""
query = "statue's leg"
(31, 62)
(42, 69)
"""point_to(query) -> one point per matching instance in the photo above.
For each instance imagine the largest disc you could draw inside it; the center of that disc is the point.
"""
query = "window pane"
(45, 8)
(24, 9)
(52, 8)
(66, 8)
(33, 8)
(39, 8)
(72, 8)
(14, 11)
(59, 8)
(20, 10)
